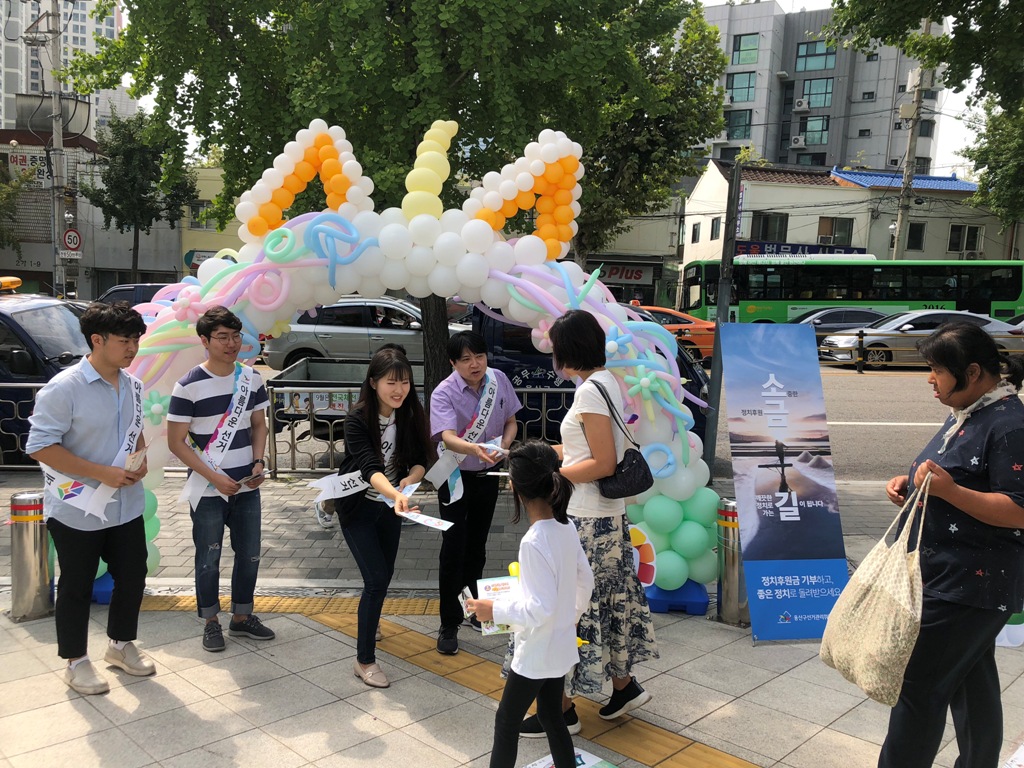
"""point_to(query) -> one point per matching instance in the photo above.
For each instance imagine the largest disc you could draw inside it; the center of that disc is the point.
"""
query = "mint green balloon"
(635, 513)
(152, 558)
(663, 514)
(51, 556)
(690, 539)
(672, 570)
(151, 505)
(658, 540)
(702, 507)
(152, 527)
(102, 569)
(704, 569)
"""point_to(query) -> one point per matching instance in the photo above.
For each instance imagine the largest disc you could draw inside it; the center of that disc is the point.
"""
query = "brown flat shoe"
(372, 675)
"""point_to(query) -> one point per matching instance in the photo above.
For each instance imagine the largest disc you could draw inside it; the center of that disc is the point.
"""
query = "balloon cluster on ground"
(285, 265)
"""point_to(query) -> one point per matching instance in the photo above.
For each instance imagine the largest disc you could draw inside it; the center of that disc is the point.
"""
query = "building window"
(814, 129)
(922, 165)
(965, 237)
(833, 231)
(769, 227)
(695, 232)
(737, 124)
(740, 85)
(744, 49)
(915, 237)
(898, 125)
(901, 88)
(729, 153)
(811, 57)
(198, 208)
(818, 92)
(864, 133)
(871, 57)
(788, 94)
(930, 94)
(811, 158)
(716, 227)
(926, 128)
(867, 96)
(894, 161)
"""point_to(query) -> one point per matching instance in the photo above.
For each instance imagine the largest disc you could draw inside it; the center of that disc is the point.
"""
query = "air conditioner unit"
(782, 74)
(797, 142)
(721, 138)
(824, 239)
(969, 256)
(801, 105)
(728, 101)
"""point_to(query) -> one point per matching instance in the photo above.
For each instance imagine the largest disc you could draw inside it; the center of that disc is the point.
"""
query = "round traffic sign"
(72, 239)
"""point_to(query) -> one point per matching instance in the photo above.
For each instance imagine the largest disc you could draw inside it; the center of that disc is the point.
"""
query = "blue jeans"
(241, 514)
(372, 537)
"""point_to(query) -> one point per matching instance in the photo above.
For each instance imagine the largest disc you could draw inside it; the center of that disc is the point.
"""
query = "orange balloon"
(544, 220)
(545, 204)
(554, 248)
(339, 184)
(258, 226)
(323, 140)
(294, 184)
(509, 208)
(548, 232)
(564, 233)
(331, 167)
(312, 156)
(499, 222)
(270, 212)
(305, 171)
(568, 181)
(544, 187)
(486, 214)
(569, 163)
(334, 201)
(563, 197)
(282, 198)
(563, 214)
(525, 200)
(328, 153)
(553, 172)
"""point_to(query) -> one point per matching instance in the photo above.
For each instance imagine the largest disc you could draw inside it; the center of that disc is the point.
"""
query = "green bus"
(776, 289)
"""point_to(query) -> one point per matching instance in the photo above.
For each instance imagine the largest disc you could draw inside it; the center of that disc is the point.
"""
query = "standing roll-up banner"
(790, 533)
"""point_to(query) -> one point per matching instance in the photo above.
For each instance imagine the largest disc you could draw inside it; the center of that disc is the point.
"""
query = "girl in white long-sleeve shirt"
(555, 582)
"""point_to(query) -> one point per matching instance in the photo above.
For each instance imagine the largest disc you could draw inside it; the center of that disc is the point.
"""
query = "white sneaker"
(131, 660)
(85, 679)
(324, 516)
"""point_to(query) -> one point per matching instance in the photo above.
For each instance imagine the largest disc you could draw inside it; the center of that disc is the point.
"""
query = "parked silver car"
(893, 339)
(354, 328)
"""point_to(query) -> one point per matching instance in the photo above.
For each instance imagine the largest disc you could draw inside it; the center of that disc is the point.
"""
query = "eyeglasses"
(224, 338)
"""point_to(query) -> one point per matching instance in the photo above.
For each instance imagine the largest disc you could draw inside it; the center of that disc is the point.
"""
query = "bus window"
(887, 284)
(928, 282)
(692, 288)
(1004, 281)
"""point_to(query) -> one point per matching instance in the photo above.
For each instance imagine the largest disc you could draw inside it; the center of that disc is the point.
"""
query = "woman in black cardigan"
(387, 443)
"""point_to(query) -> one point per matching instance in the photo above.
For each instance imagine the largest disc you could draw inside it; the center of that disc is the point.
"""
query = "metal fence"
(16, 404)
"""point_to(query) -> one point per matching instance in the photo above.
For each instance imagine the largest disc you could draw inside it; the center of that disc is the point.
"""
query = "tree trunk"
(436, 365)
(135, 255)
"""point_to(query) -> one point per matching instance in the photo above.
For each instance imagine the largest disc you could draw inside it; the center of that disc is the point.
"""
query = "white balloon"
(501, 256)
(472, 270)
(393, 216)
(471, 207)
(494, 293)
(574, 227)
(477, 236)
(532, 151)
(371, 288)
(245, 211)
(418, 286)
(246, 236)
(523, 314)
(370, 262)
(453, 220)
(658, 432)
(449, 249)
(576, 208)
(348, 210)
(576, 274)
(493, 200)
(261, 193)
(336, 132)
(679, 485)
(508, 172)
(491, 181)
(304, 136)
(530, 251)
(294, 151)
(421, 261)
(469, 295)
(284, 165)
(537, 167)
(300, 295)
(524, 181)
(564, 145)
(563, 250)
(352, 169)
(508, 189)
(549, 153)
(650, 493)
(245, 197)
(424, 229)
(546, 135)
(577, 150)
(367, 224)
(477, 193)
(395, 241)
(579, 173)
(365, 183)
(210, 268)
(248, 253)
(355, 195)
(394, 276)
(700, 470)
(696, 445)
(317, 125)
(522, 165)
(443, 281)
(346, 281)
(273, 177)
(343, 146)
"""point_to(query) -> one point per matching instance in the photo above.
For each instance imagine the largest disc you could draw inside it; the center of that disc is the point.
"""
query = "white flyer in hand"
(427, 520)
(495, 445)
(134, 461)
(407, 491)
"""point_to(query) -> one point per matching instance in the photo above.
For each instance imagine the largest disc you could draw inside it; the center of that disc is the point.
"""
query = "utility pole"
(57, 146)
(732, 226)
(910, 162)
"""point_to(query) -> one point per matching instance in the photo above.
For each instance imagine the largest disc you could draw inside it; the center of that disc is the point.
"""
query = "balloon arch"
(284, 266)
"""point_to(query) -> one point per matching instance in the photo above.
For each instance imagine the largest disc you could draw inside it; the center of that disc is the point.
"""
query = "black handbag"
(632, 475)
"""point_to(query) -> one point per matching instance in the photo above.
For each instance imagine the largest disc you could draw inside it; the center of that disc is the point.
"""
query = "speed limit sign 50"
(72, 240)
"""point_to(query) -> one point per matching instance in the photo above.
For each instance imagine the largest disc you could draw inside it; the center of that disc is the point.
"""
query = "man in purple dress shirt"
(475, 405)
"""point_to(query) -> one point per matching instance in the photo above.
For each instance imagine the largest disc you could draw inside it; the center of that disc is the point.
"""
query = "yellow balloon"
(439, 124)
(423, 180)
(435, 161)
(452, 127)
(440, 136)
(513, 569)
(429, 146)
(415, 203)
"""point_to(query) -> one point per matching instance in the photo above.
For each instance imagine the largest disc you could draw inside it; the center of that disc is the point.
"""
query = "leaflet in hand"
(427, 520)
(250, 478)
(135, 460)
(407, 491)
(495, 445)
(492, 589)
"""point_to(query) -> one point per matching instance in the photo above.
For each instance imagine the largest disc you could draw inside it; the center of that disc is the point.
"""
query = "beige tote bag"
(873, 627)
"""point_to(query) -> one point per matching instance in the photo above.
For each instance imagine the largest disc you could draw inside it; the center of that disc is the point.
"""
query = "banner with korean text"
(790, 533)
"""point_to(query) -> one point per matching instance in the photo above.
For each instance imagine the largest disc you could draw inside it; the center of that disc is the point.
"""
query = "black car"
(832, 320)
(133, 293)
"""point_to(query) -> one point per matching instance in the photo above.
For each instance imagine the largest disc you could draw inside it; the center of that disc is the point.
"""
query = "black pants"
(123, 547)
(516, 699)
(953, 666)
(372, 537)
(464, 545)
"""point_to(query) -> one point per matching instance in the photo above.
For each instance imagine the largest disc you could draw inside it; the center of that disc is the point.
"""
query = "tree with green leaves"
(136, 190)
(998, 157)
(984, 35)
(10, 190)
(245, 75)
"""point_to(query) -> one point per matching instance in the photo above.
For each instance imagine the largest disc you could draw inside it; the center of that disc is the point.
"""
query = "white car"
(893, 339)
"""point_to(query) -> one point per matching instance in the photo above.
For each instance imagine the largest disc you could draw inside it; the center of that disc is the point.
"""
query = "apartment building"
(795, 100)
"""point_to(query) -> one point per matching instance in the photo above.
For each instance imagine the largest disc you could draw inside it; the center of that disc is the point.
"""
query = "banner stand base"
(691, 598)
